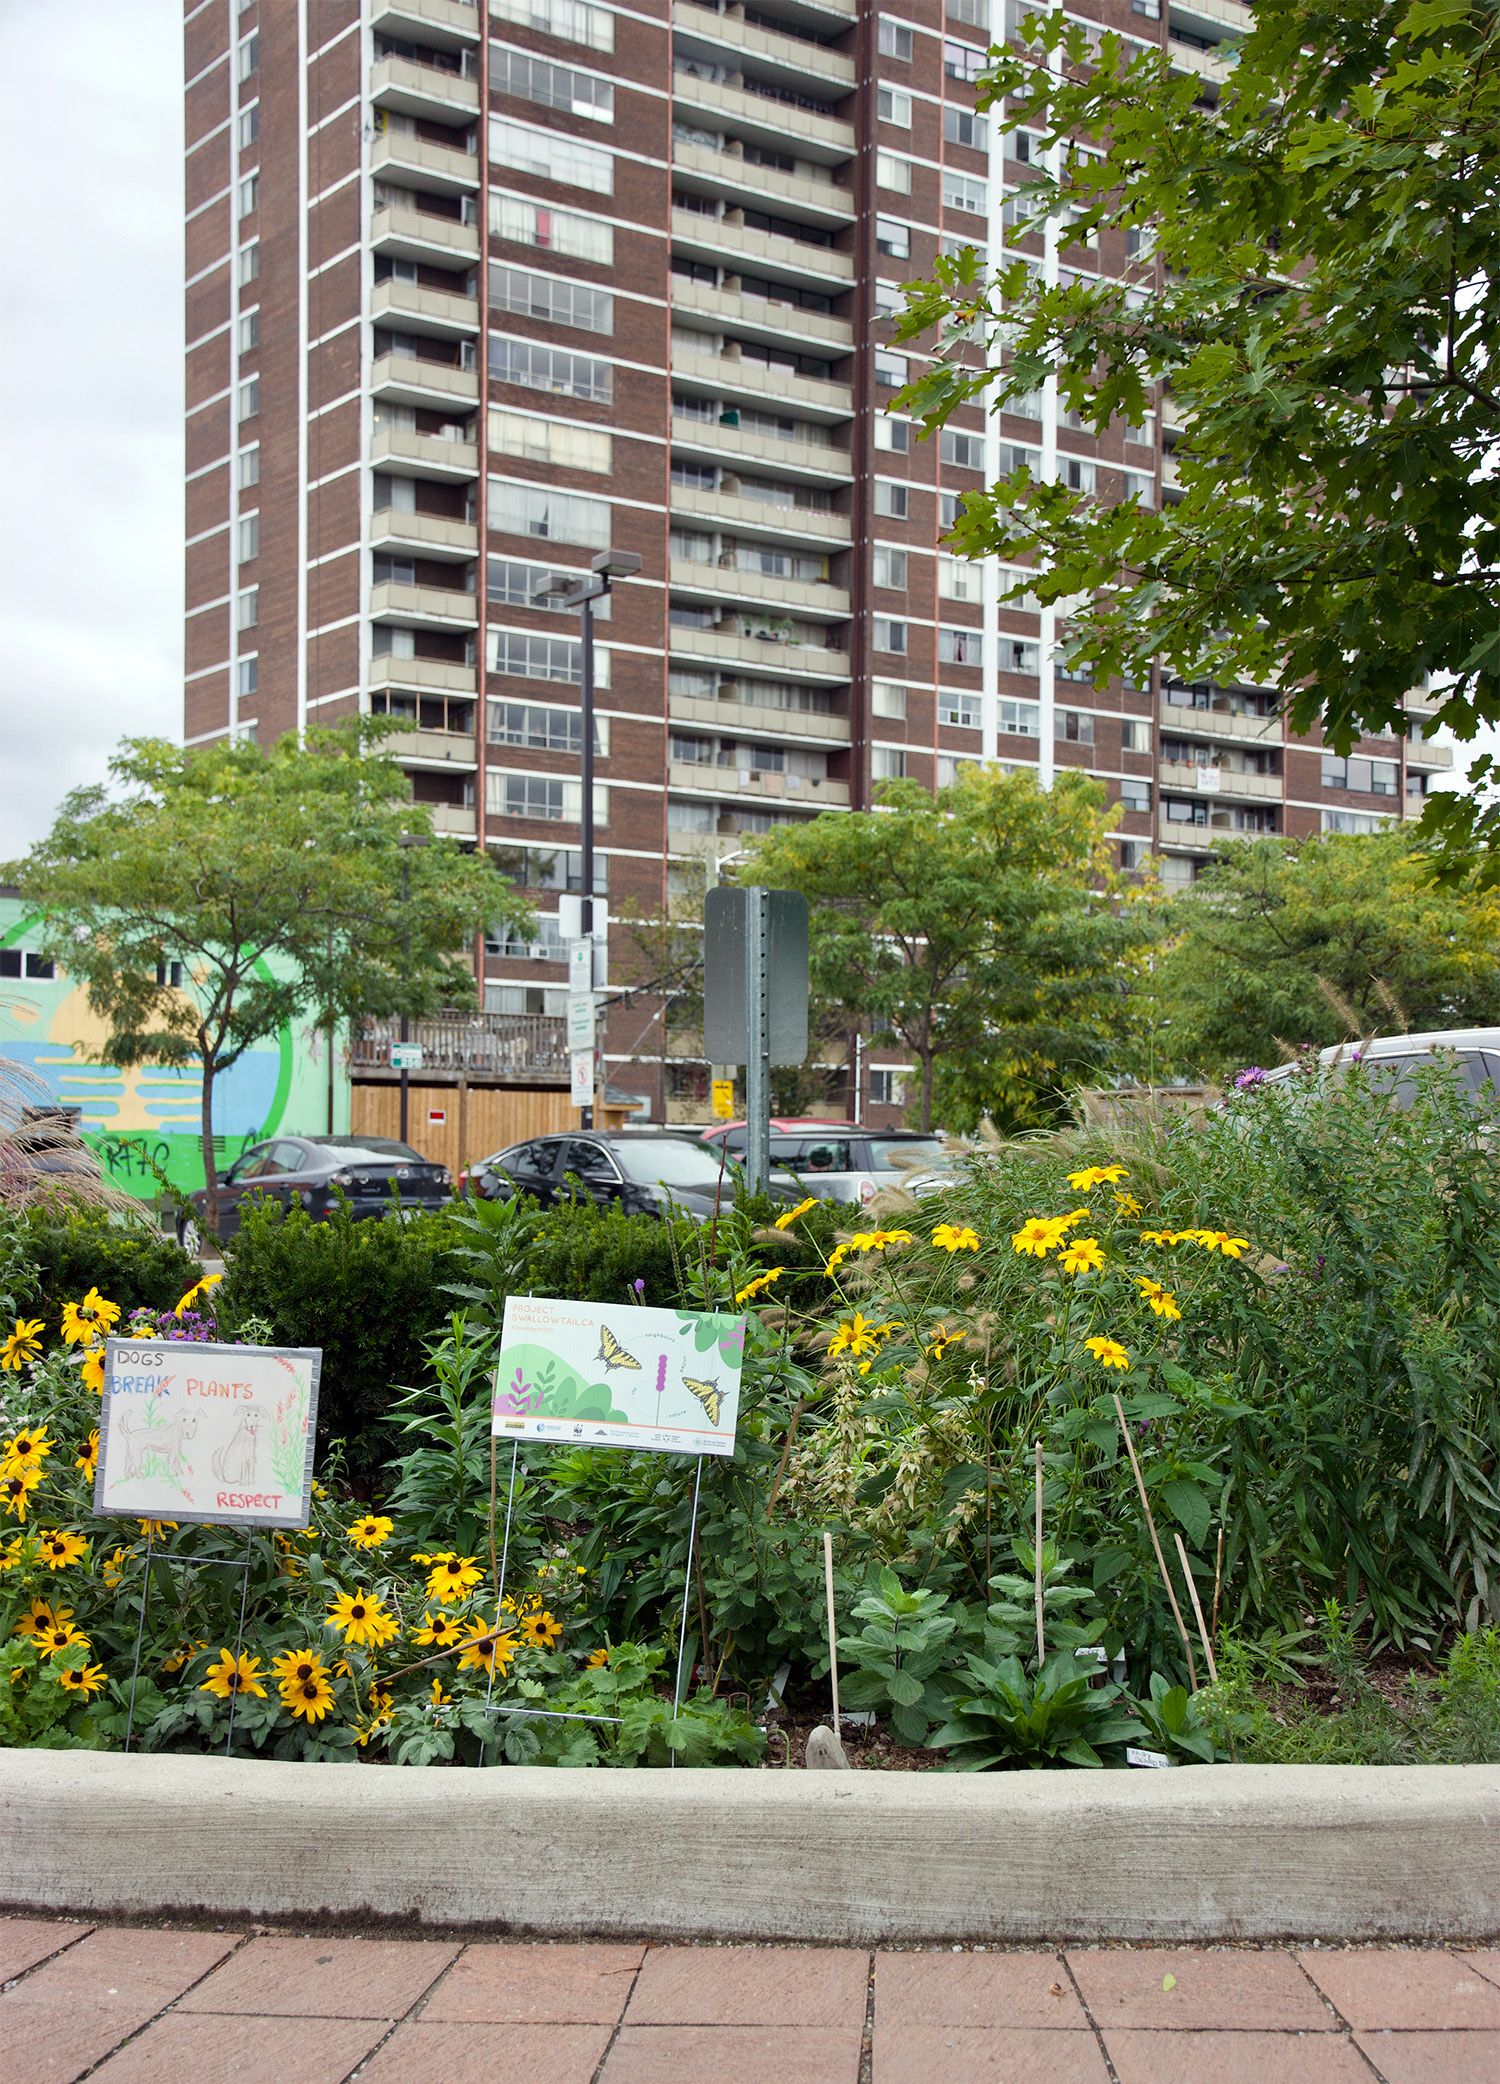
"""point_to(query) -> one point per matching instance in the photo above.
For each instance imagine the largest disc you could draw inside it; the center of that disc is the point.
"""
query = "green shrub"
(126, 1258)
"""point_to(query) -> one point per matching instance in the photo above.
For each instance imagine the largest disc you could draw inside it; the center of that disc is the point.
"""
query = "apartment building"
(477, 289)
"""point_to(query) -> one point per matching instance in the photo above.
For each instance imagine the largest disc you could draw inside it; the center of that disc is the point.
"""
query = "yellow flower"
(1109, 1353)
(318, 1490)
(836, 1258)
(178, 1658)
(1126, 1204)
(296, 1667)
(58, 1635)
(1082, 1256)
(1219, 1241)
(596, 1658)
(1164, 1237)
(451, 1576)
(440, 1630)
(16, 1487)
(877, 1240)
(88, 1461)
(42, 1614)
(112, 1569)
(59, 1549)
(91, 1374)
(26, 1449)
(232, 1675)
(23, 1344)
(1038, 1234)
(1163, 1303)
(760, 1284)
(196, 1292)
(361, 1617)
(10, 1555)
(308, 1699)
(1077, 1215)
(437, 1698)
(371, 1531)
(855, 1335)
(939, 1339)
(956, 1237)
(86, 1681)
(365, 1731)
(789, 1216)
(541, 1631)
(1096, 1176)
(157, 1530)
(86, 1322)
(486, 1649)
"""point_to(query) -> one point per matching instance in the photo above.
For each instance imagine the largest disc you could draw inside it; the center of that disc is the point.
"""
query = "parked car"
(311, 1171)
(1391, 1063)
(643, 1171)
(839, 1161)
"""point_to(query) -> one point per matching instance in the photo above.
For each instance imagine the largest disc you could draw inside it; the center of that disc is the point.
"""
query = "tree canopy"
(983, 930)
(274, 877)
(1315, 287)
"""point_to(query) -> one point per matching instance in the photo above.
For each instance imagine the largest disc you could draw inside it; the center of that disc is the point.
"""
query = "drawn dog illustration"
(168, 1441)
(234, 1462)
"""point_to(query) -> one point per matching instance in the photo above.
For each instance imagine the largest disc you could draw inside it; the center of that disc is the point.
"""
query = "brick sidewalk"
(128, 2005)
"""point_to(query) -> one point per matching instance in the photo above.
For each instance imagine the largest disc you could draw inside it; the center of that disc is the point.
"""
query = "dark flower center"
(356, 1613)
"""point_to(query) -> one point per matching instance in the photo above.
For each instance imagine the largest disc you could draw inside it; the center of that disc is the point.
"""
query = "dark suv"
(308, 1172)
(641, 1171)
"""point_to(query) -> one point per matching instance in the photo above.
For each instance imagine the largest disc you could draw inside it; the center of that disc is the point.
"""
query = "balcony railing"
(476, 1044)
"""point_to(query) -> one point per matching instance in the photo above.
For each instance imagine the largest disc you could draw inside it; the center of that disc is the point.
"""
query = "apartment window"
(957, 707)
(1353, 821)
(549, 297)
(965, 451)
(890, 369)
(543, 944)
(887, 300)
(249, 57)
(558, 517)
(950, 766)
(249, 125)
(570, 21)
(1151, 9)
(250, 263)
(889, 635)
(249, 537)
(540, 368)
(892, 435)
(1367, 777)
(562, 444)
(948, 511)
(887, 763)
(249, 402)
(1018, 719)
(950, 245)
(514, 585)
(963, 127)
(525, 655)
(893, 39)
(965, 192)
(1135, 735)
(891, 499)
(249, 330)
(1136, 795)
(527, 223)
(247, 676)
(1077, 473)
(888, 568)
(247, 608)
(552, 86)
(960, 647)
(249, 466)
(540, 796)
(551, 157)
(249, 194)
(1017, 655)
(888, 699)
(892, 106)
(893, 238)
(976, 13)
(540, 729)
(18, 962)
(893, 172)
(958, 577)
(963, 61)
(1075, 727)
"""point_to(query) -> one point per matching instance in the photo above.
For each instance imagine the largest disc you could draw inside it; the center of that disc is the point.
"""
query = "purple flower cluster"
(1252, 1075)
(194, 1325)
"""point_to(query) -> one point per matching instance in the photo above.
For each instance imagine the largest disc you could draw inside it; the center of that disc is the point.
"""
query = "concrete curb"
(1212, 1852)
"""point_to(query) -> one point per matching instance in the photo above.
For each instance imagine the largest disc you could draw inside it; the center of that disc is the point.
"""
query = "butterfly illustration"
(612, 1353)
(709, 1395)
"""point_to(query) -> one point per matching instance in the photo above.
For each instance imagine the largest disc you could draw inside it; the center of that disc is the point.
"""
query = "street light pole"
(406, 842)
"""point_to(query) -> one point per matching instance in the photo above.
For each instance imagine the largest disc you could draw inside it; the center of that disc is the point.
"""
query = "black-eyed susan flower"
(58, 1635)
(58, 1549)
(440, 1630)
(197, 1292)
(230, 1677)
(487, 1649)
(86, 1323)
(1109, 1353)
(112, 1569)
(296, 1667)
(27, 1448)
(39, 1615)
(22, 1345)
(597, 1658)
(856, 1335)
(789, 1216)
(88, 1460)
(1096, 1176)
(955, 1237)
(91, 1372)
(541, 1631)
(436, 1698)
(362, 1618)
(157, 1530)
(371, 1531)
(938, 1340)
(309, 1699)
(760, 1284)
(1082, 1255)
(85, 1681)
(452, 1576)
(16, 1487)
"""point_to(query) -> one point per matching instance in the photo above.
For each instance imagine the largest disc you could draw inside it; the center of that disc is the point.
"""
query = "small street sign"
(581, 1020)
(580, 966)
(581, 1077)
(723, 1096)
(406, 1056)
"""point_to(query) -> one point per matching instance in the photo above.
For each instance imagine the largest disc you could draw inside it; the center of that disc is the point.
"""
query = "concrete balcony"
(807, 726)
(405, 454)
(428, 91)
(716, 582)
(777, 661)
(438, 312)
(731, 376)
(447, 24)
(811, 461)
(424, 607)
(759, 318)
(779, 125)
(760, 253)
(1233, 15)
(1179, 775)
(403, 232)
(792, 59)
(414, 163)
(408, 380)
(819, 200)
(433, 534)
(1219, 723)
(1427, 757)
(432, 749)
(1212, 69)
(704, 779)
(452, 820)
(757, 517)
(434, 676)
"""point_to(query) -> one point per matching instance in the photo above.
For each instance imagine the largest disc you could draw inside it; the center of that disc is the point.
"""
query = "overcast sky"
(90, 393)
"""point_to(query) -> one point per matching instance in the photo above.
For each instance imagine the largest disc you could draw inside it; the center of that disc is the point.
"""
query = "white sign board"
(581, 1077)
(406, 1056)
(580, 966)
(614, 1375)
(581, 1023)
(213, 1433)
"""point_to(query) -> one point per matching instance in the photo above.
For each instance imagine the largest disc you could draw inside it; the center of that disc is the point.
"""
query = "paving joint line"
(12, 1982)
(110, 2053)
(614, 2032)
(1344, 2025)
(867, 2042)
(409, 2015)
(1061, 1954)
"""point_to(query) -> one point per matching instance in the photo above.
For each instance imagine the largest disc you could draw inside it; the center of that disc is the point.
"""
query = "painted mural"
(143, 1122)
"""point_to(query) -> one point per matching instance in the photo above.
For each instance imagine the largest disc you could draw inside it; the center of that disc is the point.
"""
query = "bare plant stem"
(791, 1434)
(1218, 1581)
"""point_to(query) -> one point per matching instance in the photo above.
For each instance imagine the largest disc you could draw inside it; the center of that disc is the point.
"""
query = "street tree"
(289, 882)
(1283, 943)
(983, 930)
(1305, 266)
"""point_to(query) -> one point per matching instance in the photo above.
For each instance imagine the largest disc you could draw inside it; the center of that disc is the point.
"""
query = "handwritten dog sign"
(222, 1434)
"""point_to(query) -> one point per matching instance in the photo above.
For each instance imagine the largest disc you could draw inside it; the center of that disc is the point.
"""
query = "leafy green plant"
(899, 1654)
(73, 1249)
(1175, 1722)
(442, 1482)
(1003, 1715)
(1071, 1616)
(492, 1251)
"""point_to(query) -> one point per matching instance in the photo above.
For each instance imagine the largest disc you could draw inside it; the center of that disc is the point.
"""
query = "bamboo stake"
(833, 1651)
(1208, 1648)
(1161, 1561)
(1041, 1636)
(1218, 1580)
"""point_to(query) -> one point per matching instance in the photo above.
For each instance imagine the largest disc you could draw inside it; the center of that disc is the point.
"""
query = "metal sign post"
(755, 999)
(757, 1040)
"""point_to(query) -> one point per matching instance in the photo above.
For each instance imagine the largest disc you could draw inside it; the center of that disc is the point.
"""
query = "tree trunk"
(206, 1134)
(927, 1064)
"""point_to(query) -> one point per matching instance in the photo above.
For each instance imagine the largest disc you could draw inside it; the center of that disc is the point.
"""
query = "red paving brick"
(136, 1970)
(324, 1978)
(1484, 1961)
(1235, 2058)
(1261, 1992)
(1434, 2058)
(25, 1941)
(52, 2044)
(1012, 1990)
(751, 1986)
(709, 2054)
(1375, 1987)
(478, 2054)
(536, 1985)
(910, 2054)
(244, 2049)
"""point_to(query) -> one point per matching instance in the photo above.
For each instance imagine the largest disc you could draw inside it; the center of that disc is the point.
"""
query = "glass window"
(1136, 795)
(891, 499)
(892, 106)
(1019, 719)
(892, 435)
(563, 444)
(1075, 726)
(958, 577)
(960, 647)
(551, 157)
(958, 706)
(247, 608)
(893, 238)
(893, 172)
(530, 656)
(963, 61)
(551, 298)
(963, 127)
(889, 568)
(249, 466)
(526, 223)
(887, 763)
(887, 698)
(249, 57)
(965, 192)
(570, 21)
(893, 39)
(249, 330)
(248, 676)
(889, 635)
(249, 402)
(538, 368)
(552, 86)
(249, 125)
(250, 262)
(890, 369)
(965, 451)
(561, 517)
(249, 194)
(249, 537)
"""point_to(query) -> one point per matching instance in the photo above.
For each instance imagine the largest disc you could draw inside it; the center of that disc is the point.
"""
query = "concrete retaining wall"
(1331, 1852)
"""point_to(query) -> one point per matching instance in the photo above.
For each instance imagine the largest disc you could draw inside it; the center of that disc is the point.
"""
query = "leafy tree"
(983, 930)
(1322, 306)
(276, 877)
(1285, 942)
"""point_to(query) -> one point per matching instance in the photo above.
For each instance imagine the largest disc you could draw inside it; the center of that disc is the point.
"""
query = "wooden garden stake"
(1041, 1637)
(1208, 1648)
(1213, 1628)
(833, 1648)
(1161, 1561)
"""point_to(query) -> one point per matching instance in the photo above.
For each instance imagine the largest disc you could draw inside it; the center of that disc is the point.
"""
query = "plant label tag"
(1134, 1756)
(1092, 1653)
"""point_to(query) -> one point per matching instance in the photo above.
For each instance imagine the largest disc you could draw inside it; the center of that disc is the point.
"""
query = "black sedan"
(639, 1171)
(312, 1171)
